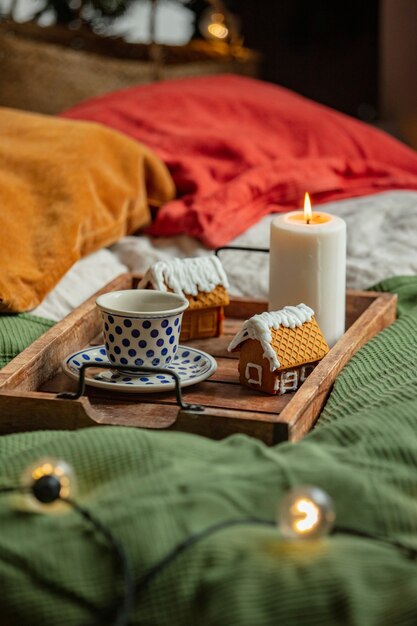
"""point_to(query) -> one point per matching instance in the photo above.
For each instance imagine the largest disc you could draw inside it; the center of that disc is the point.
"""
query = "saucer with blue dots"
(192, 366)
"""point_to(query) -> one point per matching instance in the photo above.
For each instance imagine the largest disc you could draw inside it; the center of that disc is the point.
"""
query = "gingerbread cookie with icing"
(203, 282)
(279, 349)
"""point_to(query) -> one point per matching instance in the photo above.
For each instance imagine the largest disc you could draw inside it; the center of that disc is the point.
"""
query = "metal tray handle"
(67, 395)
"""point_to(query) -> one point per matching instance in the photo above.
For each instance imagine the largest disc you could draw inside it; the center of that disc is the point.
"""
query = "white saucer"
(190, 364)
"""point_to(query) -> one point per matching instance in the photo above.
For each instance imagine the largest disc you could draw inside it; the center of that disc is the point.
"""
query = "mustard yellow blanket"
(67, 188)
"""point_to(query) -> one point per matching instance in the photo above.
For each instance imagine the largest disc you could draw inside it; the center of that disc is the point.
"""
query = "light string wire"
(190, 541)
(132, 591)
(126, 606)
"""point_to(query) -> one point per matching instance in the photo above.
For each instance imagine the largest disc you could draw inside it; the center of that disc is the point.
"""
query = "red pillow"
(239, 148)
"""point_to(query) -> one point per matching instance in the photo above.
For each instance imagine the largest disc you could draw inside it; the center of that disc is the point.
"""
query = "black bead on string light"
(49, 486)
(46, 489)
(305, 513)
(49, 481)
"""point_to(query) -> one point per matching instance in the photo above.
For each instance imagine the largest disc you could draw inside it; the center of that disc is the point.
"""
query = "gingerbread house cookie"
(203, 282)
(279, 349)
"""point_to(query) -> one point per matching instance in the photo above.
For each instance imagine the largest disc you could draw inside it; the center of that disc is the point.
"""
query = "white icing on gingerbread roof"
(259, 327)
(186, 276)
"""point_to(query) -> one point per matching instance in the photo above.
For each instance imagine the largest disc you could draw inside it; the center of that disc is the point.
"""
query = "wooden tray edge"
(302, 412)
(32, 366)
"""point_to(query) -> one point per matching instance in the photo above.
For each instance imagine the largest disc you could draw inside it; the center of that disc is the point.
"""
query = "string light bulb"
(212, 25)
(47, 483)
(306, 512)
(218, 24)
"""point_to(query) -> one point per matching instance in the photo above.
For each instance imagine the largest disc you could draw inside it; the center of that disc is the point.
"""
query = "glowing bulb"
(308, 213)
(212, 25)
(306, 513)
(47, 482)
(218, 31)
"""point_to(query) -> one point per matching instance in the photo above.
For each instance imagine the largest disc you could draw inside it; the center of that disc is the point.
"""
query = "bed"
(198, 518)
(381, 243)
(238, 151)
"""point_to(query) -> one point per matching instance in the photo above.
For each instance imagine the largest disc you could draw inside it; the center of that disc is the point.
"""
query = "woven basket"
(42, 70)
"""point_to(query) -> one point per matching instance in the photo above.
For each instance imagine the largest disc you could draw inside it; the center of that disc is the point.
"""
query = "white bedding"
(79, 283)
(382, 242)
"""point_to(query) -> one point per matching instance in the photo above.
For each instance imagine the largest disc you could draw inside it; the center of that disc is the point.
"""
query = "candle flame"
(308, 213)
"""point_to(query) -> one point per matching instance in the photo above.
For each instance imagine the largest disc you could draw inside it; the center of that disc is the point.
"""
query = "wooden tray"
(29, 384)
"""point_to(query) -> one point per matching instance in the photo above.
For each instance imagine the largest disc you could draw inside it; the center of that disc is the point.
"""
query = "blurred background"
(357, 57)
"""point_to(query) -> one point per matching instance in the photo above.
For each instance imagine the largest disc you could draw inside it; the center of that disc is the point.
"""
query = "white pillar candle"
(308, 264)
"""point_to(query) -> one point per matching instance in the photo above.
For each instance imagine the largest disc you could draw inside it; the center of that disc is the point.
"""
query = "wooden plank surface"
(209, 393)
(24, 411)
(243, 308)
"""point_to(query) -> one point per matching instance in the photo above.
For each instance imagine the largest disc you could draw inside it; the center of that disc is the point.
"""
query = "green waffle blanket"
(153, 490)
(17, 332)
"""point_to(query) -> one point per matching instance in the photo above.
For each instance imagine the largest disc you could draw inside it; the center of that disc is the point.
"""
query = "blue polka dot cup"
(141, 326)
